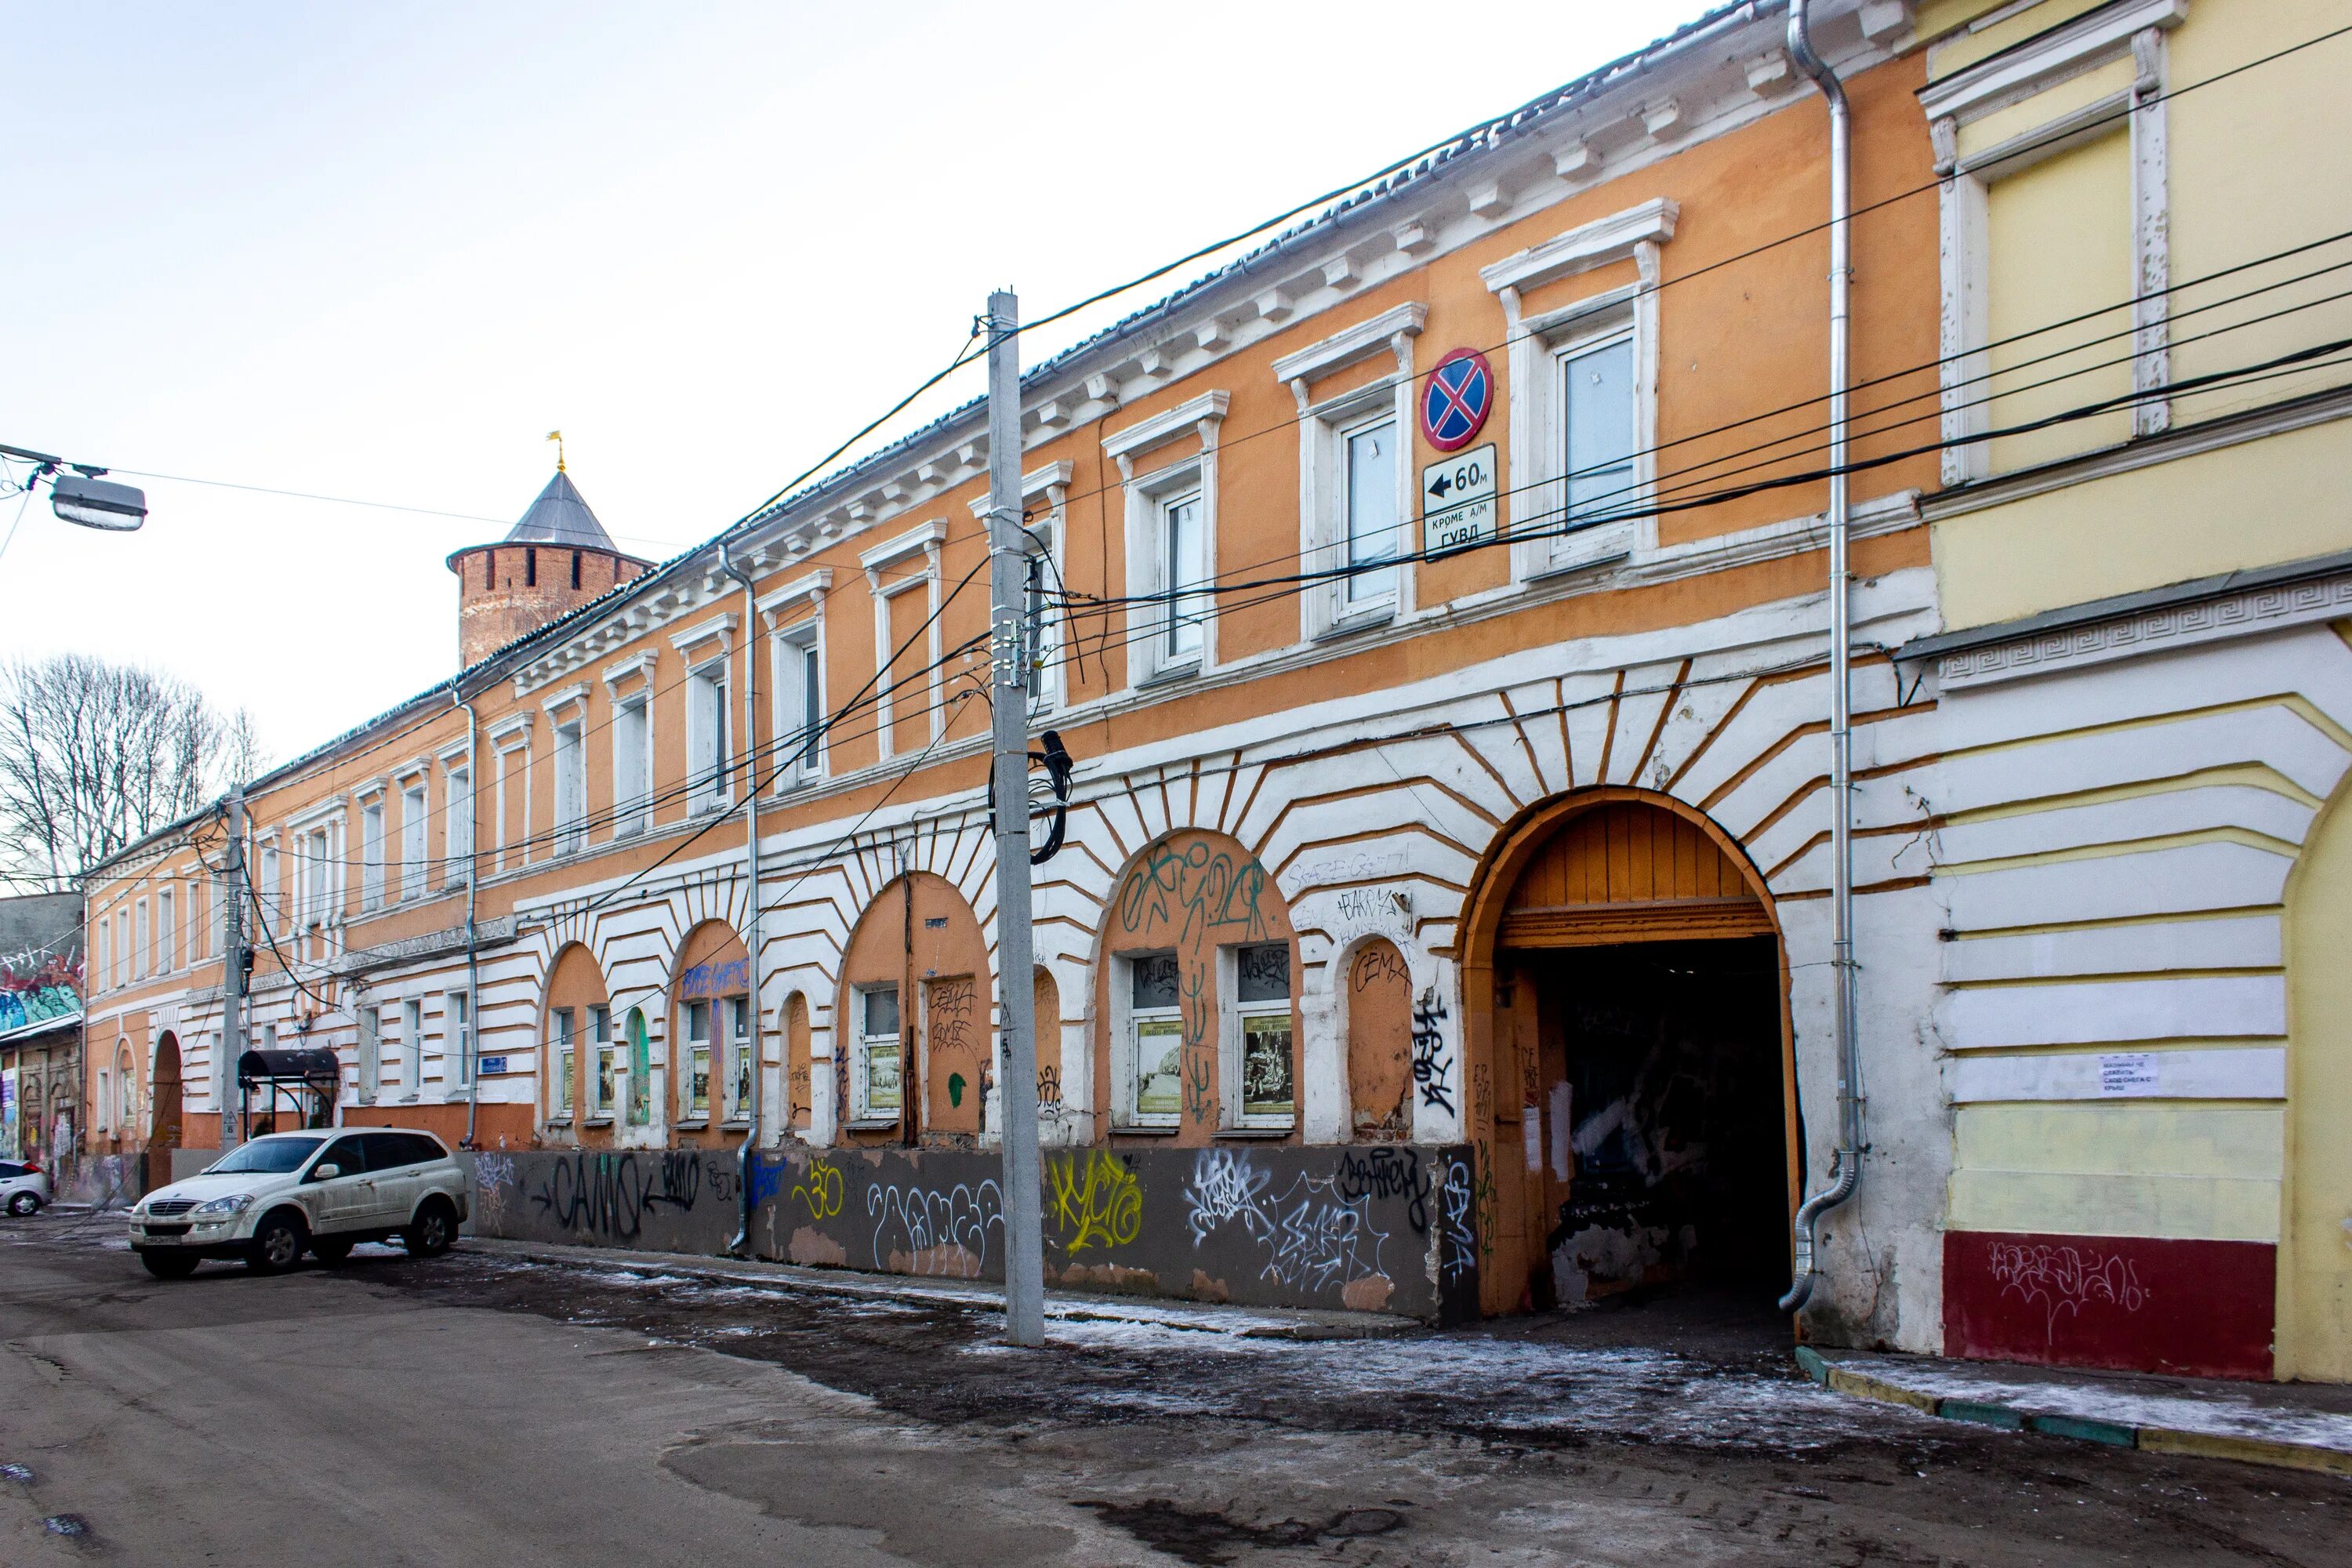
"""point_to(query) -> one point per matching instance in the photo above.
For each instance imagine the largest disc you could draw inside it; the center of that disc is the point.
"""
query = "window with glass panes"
(740, 1058)
(1262, 1012)
(1155, 1023)
(1184, 571)
(697, 1058)
(599, 1066)
(560, 1036)
(878, 1078)
(1370, 451)
(1596, 417)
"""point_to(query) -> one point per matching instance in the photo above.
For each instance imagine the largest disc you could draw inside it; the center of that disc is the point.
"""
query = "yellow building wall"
(2315, 1283)
(2281, 499)
(2175, 1169)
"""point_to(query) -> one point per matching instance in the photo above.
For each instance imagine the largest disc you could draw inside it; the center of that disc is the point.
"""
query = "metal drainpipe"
(473, 883)
(1846, 1172)
(743, 1242)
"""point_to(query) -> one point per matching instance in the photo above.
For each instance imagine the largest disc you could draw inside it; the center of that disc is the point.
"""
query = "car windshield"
(267, 1157)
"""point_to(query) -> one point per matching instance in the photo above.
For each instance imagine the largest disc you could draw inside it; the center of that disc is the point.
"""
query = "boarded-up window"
(1379, 1042)
(798, 1083)
(956, 1037)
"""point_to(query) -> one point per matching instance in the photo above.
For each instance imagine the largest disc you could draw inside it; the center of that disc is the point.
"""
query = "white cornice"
(639, 662)
(1036, 482)
(1585, 247)
(1345, 347)
(809, 589)
(721, 626)
(575, 692)
(512, 725)
(1208, 409)
(457, 754)
(2015, 74)
(914, 542)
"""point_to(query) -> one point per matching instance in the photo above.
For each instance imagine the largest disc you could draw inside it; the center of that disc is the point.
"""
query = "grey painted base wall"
(1373, 1228)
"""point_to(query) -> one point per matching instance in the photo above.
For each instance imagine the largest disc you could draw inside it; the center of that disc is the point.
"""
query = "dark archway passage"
(1664, 1156)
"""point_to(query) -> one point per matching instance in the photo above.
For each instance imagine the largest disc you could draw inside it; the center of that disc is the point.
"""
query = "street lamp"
(81, 497)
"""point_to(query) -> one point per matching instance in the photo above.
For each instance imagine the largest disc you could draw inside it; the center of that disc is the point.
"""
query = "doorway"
(164, 1130)
(1663, 1152)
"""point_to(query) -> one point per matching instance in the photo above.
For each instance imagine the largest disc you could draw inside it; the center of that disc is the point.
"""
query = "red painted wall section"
(2198, 1308)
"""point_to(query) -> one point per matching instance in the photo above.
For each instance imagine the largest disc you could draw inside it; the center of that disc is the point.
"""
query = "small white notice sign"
(1458, 502)
(2129, 1072)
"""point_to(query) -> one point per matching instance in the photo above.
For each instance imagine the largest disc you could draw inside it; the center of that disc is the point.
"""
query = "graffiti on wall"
(819, 1190)
(2062, 1280)
(1201, 888)
(956, 1039)
(35, 988)
(1431, 1069)
(1384, 1174)
(705, 982)
(1309, 1236)
(612, 1195)
(918, 1230)
(1094, 1202)
(1458, 1203)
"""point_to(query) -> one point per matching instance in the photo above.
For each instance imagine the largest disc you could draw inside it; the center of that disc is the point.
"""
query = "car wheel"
(277, 1244)
(332, 1251)
(23, 1204)
(434, 1229)
(168, 1264)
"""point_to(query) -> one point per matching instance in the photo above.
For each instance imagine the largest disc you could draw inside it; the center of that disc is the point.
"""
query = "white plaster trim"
(414, 767)
(810, 588)
(914, 542)
(2209, 620)
(326, 811)
(1036, 482)
(2257, 1072)
(1586, 246)
(575, 692)
(455, 754)
(639, 663)
(719, 626)
(512, 725)
(2016, 74)
(1208, 409)
(1345, 347)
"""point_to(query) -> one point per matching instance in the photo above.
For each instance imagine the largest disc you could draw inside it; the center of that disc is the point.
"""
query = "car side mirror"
(325, 1172)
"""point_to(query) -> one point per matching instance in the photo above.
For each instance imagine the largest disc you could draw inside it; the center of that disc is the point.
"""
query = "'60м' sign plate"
(1458, 502)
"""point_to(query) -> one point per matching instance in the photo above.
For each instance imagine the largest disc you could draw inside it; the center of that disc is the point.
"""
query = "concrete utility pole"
(1008, 591)
(232, 1035)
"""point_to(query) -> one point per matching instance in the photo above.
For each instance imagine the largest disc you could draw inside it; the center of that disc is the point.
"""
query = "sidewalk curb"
(2114, 1434)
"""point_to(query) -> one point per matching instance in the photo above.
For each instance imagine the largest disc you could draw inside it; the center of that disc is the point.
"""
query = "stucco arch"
(919, 937)
(2314, 1312)
(1507, 1223)
(576, 984)
(711, 979)
(1200, 896)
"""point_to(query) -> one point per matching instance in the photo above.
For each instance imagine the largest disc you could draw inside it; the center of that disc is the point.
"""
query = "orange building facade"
(1398, 818)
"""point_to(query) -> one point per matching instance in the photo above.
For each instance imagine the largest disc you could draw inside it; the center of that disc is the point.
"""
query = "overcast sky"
(378, 252)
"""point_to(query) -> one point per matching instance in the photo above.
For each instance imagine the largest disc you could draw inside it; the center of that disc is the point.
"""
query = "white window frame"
(142, 946)
(509, 739)
(167, 933)
(458, 1032)
(795, 618)
(713, 748)
(735, 1052)
(604, 1067)
(1534, 498)
(1126, 1067)
(2136, 31)
(372, 848)
(412, 1048)
(862, 1113)
(412, 813)
(1146, 497)
(699, 1051)
(562, 1057)
(1324, 427)
(927, 540)
(371, 1054)
(456, 818)
(1044, 501)
(1234, 1016)
(318, 857)
(104, 968)
(570, 761)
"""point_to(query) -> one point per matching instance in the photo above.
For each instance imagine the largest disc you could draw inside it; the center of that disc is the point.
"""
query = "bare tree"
(95, 756)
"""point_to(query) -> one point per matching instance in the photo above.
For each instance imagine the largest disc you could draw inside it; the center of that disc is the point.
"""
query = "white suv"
(267, 1201)
(24, 1186)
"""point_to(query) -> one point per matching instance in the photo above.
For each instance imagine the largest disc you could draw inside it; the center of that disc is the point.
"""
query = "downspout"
(742, 1243)
(473, 886)
(1846, 1170)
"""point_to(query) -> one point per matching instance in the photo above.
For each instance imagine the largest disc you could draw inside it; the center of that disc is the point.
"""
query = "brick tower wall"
(505, 591)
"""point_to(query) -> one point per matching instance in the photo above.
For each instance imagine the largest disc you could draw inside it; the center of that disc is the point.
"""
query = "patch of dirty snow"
(2217, 1414)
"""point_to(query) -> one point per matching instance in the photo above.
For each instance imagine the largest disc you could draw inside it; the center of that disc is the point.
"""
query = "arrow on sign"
(1443, 484)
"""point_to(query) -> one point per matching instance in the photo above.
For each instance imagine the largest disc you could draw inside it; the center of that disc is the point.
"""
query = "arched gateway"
(1627, 1035)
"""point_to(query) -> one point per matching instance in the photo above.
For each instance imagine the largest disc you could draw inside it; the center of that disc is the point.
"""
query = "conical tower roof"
(560, 517)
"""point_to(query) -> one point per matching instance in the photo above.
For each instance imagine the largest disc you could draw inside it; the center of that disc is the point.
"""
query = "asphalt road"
(481, 1409)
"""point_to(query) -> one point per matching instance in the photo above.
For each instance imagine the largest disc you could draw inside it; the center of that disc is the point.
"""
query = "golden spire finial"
(557, 436)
